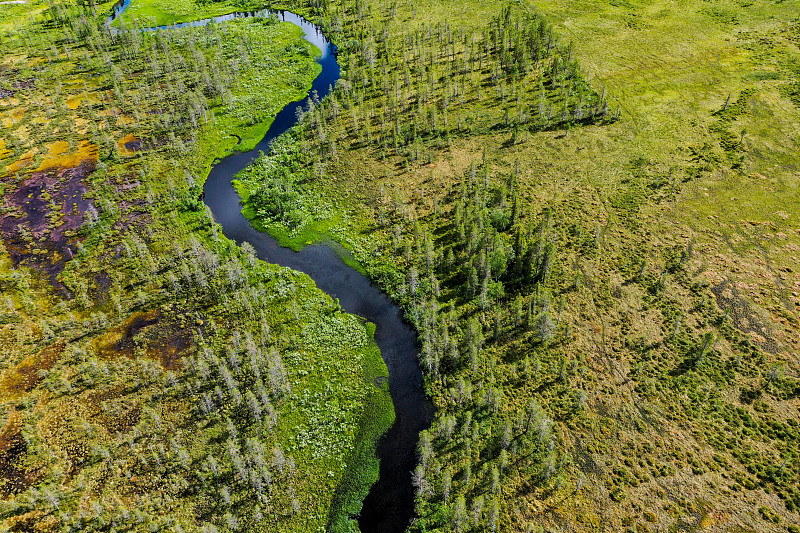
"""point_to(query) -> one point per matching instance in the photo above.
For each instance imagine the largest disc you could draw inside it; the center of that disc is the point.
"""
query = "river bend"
(389, 506)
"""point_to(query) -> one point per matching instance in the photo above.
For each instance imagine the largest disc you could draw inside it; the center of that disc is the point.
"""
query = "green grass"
(363, 464)
(163, 12)
(100, 390)
(312, 233)
(647, 215)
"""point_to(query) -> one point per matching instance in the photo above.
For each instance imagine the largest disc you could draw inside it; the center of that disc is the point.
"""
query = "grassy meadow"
(625, 286)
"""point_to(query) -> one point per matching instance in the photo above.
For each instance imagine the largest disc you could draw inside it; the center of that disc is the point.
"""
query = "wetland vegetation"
(586, 211)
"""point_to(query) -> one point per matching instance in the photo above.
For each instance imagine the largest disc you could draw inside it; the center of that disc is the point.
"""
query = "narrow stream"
(389, 506)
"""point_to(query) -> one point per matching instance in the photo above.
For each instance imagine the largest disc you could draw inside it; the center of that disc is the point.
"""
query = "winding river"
(389, 506)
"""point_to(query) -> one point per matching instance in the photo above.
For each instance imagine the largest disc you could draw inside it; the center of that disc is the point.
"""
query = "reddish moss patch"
(45, 211)
(150, 334)
(25, 376)
(14, 478)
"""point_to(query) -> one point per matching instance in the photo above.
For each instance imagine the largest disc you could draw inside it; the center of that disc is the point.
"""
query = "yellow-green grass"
(661, 179)
(672, 66)
(164, 12)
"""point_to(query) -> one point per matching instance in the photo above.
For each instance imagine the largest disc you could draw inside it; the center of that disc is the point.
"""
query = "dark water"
(389, 507)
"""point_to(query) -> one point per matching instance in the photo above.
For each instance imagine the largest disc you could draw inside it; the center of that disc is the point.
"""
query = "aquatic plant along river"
(389, 506)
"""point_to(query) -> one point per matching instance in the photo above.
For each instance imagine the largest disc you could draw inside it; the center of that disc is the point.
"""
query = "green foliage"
(563, 329)
(272, 182)
(362, 464)
(194, 377)
(190, 200)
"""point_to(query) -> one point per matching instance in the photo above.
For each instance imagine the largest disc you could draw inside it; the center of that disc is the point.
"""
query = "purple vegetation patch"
(37, 229)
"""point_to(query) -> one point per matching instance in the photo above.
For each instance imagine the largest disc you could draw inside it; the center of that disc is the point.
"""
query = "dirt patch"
(149, 334)
(129, 145)
(43, 215)
(14, 478)
(26, 375)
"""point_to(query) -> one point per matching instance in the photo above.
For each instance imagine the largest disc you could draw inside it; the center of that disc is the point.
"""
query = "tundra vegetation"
(155, 376)
(586, 213)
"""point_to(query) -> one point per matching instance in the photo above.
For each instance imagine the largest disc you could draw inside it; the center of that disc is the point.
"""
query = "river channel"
(389, 506)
